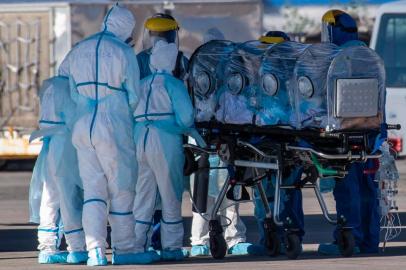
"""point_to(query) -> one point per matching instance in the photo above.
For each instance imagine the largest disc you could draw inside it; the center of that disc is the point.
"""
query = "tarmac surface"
(18, 238)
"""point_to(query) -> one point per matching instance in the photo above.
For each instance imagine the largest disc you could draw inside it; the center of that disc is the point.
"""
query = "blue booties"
(96, 257)
(135, 258)
(200, 250)
(77, 257)
(240, 249)
(186, 253)
(173, 255)
(52, 258)
(333, 249)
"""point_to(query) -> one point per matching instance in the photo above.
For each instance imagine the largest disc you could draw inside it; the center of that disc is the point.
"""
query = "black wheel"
(293, 246)
(218, 246)
(272, 243)
(346, 243)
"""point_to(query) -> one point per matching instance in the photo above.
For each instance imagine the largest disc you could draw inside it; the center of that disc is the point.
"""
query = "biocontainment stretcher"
(266, 110)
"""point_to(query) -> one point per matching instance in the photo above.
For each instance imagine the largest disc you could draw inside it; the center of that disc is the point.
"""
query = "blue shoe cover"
(77, 257)
(157, 251)
(186, 253)
(52, 258)
(135, 258)
(239, 249)
(172, 255)
(96, 258)
(333, 249)
(200, 250)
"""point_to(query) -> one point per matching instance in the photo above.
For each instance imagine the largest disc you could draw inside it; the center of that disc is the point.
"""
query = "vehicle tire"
(293, 246)
(346, 243)
(218, 246)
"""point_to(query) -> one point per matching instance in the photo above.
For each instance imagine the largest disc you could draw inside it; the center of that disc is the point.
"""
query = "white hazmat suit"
(57, 189)
(163, 114)
(104, 77)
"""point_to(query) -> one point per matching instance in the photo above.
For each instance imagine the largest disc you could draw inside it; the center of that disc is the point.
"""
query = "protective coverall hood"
(119, 21)
(163, 56)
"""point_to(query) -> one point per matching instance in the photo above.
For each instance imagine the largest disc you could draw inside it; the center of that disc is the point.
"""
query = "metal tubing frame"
(199, 149)
(278, 187)
(277, 198)
(264, 199)
(219, 200)
(348, 156)
(323, 206)
(254, 164)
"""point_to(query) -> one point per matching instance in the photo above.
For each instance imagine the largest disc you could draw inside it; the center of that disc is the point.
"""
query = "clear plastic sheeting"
(319, 86)
(310, 89)
(276, 83)
(355, 90)
(239, 98)
(207, 76)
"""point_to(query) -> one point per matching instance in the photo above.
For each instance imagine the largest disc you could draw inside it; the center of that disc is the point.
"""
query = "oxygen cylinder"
(201, 185)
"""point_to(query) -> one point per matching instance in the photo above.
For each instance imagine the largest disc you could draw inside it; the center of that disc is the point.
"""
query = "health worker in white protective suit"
(55, 191)
(104, 77)
(235, 232)
(164, 112)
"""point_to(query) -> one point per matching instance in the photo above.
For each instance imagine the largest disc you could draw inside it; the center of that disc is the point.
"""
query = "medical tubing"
(320, 169)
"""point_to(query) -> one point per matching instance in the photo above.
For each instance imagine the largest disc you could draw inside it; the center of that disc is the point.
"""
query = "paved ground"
(18, 239)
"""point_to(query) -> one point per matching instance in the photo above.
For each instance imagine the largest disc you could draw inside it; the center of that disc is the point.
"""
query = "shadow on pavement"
(17, 237)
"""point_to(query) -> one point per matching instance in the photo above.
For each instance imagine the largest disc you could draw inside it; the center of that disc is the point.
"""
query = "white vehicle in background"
(389, 41)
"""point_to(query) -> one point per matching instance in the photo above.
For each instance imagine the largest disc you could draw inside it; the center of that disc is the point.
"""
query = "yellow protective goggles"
(161, 24)
(271, 40)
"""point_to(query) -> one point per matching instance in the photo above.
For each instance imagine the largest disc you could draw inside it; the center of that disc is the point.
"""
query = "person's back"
(111, 56)
(56, 178)
(104, 76)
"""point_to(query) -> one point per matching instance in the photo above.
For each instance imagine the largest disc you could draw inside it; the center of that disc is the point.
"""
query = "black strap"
(177, 72)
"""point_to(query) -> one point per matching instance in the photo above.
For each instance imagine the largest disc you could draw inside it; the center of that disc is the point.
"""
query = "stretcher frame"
(285, 142)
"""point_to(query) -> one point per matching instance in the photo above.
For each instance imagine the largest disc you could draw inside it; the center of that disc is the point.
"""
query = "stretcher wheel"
(218, 246)
(272, 243)
(346, 243)
(293, 246)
